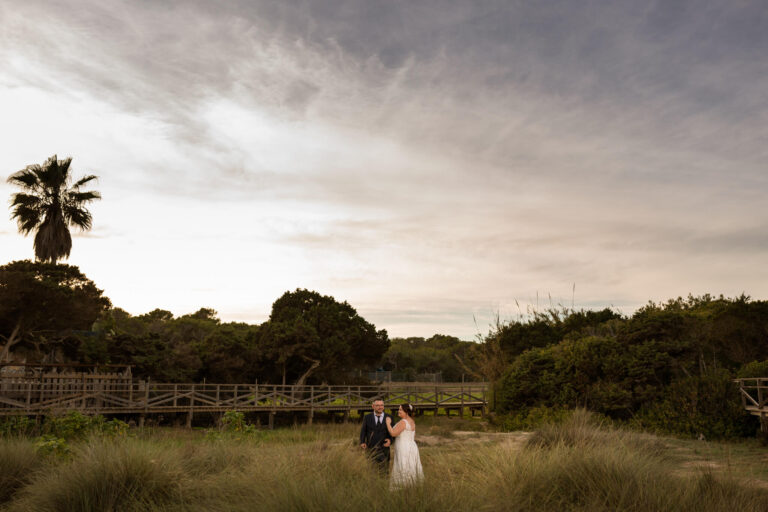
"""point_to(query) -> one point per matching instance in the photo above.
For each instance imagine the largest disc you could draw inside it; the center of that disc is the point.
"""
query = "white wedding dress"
(406, 468)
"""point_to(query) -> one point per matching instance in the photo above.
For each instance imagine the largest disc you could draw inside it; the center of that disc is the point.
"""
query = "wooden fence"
(116, 394)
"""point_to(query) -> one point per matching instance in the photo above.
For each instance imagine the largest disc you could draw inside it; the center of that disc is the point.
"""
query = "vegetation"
(578, 465)
(667, 368)
(413, 356)
(50, 204)
(42, 308)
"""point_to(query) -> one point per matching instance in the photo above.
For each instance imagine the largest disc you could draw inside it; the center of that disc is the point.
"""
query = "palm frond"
(28, 200)
(78, 217)
(27, 218)
(82, 181)
(53, 175)
(28, 211)
(64, 165)
(81, 197)
(26, 178)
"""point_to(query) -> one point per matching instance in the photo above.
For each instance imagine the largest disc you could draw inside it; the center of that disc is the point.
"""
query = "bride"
(406, 469)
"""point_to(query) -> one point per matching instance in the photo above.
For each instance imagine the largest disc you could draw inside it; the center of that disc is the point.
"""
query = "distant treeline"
(667, 367)
(54, 313)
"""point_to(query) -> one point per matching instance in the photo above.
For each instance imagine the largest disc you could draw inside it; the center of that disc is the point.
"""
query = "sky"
(436, 164)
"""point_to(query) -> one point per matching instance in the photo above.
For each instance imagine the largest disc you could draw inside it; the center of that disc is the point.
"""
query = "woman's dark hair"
(407, 408)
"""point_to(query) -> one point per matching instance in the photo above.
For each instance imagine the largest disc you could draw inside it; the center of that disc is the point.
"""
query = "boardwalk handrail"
(112, 396)
(754, 393)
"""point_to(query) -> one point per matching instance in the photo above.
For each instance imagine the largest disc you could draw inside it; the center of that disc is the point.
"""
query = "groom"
(374, 436)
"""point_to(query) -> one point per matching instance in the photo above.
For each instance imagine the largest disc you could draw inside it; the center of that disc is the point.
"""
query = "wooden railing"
(93, 394)
(754, 394)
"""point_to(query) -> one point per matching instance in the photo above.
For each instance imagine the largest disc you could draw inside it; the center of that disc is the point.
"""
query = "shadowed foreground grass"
(576, 466)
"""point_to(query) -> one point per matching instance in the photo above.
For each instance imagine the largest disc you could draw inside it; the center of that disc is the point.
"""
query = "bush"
(755, 369)
(51, 445)
(17, 426)
(76, 426)
(707, 406)
(234, 422)
(531, 418)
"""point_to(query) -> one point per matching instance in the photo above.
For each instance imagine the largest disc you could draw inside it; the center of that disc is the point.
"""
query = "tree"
(50, 206)
(42, 303)
(308, 333)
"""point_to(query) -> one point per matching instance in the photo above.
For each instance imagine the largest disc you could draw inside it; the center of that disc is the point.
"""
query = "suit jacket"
(373, 435)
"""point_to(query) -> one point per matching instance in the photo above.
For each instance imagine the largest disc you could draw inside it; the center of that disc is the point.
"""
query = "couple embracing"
(378, 434)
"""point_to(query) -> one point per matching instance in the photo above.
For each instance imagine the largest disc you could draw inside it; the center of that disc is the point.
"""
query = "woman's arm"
(394, 432)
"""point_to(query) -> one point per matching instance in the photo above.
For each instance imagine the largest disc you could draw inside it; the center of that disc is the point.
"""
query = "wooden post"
(146, 397)
(141, 420)
(191, 406)
(42, 384)
(311, 404)
(741, 392)
(218, 394)
(175, 394)
(29, 395)
(462, 400)
(271, 420)
(82, 380)
(437, 403)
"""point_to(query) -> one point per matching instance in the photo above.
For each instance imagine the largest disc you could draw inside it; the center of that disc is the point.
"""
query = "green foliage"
(234, 422)
(755, 369)
(73, 425)
(17, 426)
(49, 444)
(77, 426)
(708, 405)
(413, 356)
(667, 368)
(307, 330)
(30, 291)
(531, 418)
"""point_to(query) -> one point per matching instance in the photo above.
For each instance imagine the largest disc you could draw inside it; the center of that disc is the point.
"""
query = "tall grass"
(576, 466)
(18, 462)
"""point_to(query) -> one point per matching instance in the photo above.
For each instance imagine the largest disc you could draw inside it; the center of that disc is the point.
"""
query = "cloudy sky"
(433, 163)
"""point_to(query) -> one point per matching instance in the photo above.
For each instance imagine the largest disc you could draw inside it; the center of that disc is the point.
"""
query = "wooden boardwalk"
(95, 394)
(754, 398)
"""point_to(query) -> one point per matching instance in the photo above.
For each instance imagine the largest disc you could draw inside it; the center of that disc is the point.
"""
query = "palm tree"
(49, 205)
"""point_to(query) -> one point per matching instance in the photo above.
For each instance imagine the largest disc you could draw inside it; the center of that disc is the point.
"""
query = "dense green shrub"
(75, 426)
(753, 370)
(17, 426)
(706, 406)
(669, 368)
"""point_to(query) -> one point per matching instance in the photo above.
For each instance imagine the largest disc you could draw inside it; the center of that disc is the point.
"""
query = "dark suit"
(373, 436)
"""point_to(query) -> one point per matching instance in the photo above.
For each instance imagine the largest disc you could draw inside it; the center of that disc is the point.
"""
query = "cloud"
(460, 155)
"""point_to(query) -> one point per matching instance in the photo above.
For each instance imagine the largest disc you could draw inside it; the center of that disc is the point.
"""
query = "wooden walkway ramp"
(754, 395)
(94, 394)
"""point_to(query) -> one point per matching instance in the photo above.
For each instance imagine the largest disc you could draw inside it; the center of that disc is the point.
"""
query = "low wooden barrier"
(95, 394)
